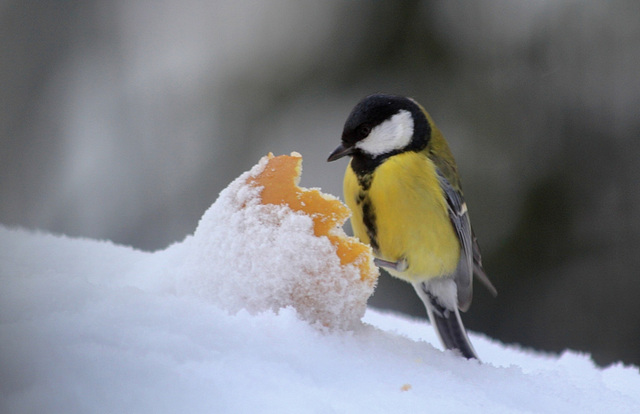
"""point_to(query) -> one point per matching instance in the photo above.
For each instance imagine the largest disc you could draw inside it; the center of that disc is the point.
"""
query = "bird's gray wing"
(459, 217)
(470, 258)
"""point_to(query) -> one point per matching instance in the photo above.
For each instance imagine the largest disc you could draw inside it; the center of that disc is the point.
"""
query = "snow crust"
(215, 324)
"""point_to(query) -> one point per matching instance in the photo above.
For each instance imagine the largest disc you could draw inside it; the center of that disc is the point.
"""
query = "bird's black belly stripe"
(369, 220)
(368, 212)
(365, 181)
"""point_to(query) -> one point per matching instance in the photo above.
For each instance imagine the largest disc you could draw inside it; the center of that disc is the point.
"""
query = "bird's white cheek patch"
(394, 133)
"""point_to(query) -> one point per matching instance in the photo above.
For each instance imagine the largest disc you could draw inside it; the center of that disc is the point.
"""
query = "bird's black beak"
(340, 152)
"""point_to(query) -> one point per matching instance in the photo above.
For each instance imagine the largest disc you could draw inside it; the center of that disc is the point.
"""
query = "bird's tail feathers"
(449, 327)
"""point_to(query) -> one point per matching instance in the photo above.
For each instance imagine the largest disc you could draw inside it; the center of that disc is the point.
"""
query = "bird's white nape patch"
(393, 134)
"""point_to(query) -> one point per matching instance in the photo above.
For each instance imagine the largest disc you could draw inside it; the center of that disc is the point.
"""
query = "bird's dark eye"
(364, 130)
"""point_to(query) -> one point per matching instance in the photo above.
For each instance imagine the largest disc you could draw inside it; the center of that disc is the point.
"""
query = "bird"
(404, 191)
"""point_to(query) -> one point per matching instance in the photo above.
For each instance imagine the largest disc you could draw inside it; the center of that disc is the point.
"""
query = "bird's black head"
(383, 125)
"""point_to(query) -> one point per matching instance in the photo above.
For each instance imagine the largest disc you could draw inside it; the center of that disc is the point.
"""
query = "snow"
(246, 255)
(213, 325)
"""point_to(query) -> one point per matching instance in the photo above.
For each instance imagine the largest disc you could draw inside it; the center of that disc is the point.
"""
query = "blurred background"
(123, 120)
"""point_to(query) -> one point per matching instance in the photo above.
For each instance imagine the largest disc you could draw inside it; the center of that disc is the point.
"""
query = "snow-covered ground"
(87, 326)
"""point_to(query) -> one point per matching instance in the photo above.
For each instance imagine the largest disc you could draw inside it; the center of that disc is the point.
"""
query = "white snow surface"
(213, 325)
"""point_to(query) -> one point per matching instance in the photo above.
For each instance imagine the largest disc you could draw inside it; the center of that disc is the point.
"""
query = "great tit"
(403, 189)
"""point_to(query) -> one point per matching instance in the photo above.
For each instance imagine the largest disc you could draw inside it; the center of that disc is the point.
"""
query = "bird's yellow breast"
(405, 212)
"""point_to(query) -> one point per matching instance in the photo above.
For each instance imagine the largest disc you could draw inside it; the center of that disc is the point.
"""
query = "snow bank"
(204, 327)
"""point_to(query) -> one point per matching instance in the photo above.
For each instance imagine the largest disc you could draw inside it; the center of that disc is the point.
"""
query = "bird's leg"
(399, 266)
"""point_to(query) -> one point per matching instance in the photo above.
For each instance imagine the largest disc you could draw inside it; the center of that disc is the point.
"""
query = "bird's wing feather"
(470, 258)
(478, 271)
(459, 217)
